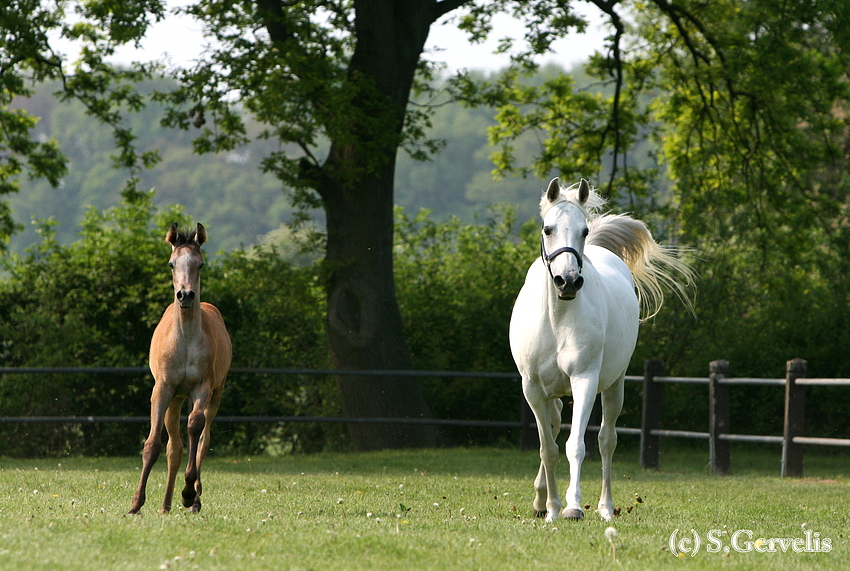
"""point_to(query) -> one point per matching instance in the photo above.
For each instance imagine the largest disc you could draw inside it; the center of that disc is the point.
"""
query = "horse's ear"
(200, 234)
(171, 236)
(583, 191)
(554, 190)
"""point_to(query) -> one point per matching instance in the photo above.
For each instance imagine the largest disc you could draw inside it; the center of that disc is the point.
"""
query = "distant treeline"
(230, 195)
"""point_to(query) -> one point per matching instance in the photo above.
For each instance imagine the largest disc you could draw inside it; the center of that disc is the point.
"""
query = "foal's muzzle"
(186, 298)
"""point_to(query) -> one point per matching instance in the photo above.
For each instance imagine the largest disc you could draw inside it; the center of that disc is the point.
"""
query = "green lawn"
(440, 509)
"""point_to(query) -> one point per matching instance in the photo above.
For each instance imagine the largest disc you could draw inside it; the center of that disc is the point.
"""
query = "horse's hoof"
(540, 513)
(195, 508)
(573, 514)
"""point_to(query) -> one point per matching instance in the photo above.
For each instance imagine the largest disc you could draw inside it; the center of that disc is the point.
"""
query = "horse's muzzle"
(186, 298)
(568, 285)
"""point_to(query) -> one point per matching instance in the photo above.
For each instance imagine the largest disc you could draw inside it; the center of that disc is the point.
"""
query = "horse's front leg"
(612, 404)
(584, 393)
(542, 408)
(160, 399)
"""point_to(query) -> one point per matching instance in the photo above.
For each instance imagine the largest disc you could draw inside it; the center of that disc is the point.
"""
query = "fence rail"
(718, 435)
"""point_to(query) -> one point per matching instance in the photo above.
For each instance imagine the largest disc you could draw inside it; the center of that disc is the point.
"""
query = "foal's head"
(186, 262)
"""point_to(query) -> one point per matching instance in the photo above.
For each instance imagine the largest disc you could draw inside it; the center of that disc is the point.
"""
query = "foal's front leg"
(196, 426)
(160, 399)
(174, 450)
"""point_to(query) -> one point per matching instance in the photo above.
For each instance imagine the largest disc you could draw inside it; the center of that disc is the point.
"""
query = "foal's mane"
(182, 238)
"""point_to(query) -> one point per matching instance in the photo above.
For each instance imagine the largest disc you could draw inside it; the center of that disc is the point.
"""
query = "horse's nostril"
(578, 283)
(559, 282)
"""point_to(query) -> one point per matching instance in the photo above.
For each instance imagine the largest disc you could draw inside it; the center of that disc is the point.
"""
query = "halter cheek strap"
(547, 258)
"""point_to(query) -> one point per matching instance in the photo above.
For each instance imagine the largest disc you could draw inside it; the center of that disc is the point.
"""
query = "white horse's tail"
(654, 267)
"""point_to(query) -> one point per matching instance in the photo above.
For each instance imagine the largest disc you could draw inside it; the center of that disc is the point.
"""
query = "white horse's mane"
(591, 208)
(655, 267)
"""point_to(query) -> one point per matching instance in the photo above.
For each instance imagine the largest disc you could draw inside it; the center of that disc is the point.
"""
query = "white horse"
(575, 324)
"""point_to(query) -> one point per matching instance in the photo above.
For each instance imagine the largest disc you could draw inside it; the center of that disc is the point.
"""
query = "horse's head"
(564, 231)
(186, 262)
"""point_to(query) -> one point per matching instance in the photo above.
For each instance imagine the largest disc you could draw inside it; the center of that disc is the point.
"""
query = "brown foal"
(189, 358)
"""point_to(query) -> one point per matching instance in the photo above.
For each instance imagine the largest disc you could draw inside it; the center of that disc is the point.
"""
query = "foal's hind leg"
(612, 404)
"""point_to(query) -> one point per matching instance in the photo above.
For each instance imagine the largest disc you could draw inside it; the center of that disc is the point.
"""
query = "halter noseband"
(547, 258)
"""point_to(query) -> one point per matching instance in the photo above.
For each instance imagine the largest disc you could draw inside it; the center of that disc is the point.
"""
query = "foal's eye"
(201, 266)
(171, 265)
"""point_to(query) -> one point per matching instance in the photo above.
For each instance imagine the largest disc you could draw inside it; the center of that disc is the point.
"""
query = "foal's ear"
(200, 234)
(554, 190)
(583, 191)
(171, 236)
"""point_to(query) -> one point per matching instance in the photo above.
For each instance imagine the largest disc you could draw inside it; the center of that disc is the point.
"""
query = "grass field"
(442, 509)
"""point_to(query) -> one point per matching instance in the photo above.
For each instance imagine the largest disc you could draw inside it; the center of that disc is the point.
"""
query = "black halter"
(547, 258)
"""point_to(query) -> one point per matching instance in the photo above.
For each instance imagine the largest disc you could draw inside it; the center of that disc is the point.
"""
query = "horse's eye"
(171, 264)
(201, 266)
(585, 232)
(547, 231)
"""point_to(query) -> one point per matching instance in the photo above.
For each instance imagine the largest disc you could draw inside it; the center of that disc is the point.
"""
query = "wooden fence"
(718, 435)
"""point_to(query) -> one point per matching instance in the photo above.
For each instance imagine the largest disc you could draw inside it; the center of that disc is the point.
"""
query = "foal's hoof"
(573, 514)
(188, 498)
(540, 513)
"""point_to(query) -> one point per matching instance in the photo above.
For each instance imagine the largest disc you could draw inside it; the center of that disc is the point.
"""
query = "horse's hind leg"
(174, 450)
(540, 487)
(612, 404)
(542, 409)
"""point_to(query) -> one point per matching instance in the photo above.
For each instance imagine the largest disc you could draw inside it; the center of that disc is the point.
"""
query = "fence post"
(795, 407)
(718, 422)
(651, 420)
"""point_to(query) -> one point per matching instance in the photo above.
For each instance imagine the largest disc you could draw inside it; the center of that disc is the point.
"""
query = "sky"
(180, 40)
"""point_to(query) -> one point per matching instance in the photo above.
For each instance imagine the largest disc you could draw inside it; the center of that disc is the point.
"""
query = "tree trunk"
(364, 321)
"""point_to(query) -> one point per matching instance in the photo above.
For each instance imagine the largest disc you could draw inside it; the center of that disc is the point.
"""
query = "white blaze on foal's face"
(186, 263)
